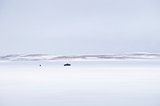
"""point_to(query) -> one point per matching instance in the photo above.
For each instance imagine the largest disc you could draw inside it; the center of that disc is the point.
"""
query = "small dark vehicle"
(67, 64)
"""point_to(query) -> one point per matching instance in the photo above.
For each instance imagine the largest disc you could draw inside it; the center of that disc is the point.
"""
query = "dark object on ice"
(67, 64)
(40, 65)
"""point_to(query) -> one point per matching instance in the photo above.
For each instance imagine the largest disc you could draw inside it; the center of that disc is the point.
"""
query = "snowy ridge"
(47, 57)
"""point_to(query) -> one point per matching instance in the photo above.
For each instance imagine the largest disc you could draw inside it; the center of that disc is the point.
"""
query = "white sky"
(79, 26)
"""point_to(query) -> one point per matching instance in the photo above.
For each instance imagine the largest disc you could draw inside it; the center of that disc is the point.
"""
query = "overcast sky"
(66, 27)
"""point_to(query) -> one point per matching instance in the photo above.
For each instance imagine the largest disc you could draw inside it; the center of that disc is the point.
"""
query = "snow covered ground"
(85, 83)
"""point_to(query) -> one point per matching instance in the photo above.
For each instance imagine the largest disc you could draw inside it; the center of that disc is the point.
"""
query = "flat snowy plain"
(85, 83)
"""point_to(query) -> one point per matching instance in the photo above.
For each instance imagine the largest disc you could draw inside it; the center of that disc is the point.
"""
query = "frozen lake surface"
(85, 83)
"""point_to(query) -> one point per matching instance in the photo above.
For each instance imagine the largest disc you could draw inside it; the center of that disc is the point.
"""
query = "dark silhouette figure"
(67, 64)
